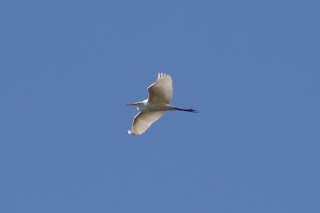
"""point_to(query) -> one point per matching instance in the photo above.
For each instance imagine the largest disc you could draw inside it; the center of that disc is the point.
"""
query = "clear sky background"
(251, 69)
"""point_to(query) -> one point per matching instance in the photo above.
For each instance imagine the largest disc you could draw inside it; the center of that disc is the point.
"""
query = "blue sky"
(250, 68)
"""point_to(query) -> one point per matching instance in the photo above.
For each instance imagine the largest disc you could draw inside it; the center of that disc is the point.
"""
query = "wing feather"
(161, 91)
(143, 120)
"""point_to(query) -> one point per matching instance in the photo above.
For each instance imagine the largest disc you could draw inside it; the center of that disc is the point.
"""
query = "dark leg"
(187, 110)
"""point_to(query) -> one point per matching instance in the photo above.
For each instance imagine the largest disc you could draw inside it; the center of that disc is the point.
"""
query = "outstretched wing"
(161, 91)
(143, 120)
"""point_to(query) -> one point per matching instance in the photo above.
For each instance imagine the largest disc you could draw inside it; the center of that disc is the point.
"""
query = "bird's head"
(140, 105)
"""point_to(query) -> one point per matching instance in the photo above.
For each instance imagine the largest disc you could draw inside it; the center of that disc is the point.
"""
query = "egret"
(151, 109)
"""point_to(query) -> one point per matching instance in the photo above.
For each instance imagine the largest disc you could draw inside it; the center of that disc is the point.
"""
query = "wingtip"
(162, 75)
(129, 132)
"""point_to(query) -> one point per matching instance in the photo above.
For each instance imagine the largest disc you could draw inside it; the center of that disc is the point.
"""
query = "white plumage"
(161, 91)
(160, 95)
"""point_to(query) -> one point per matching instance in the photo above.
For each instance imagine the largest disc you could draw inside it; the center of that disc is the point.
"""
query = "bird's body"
(148, 106)
(151, 109)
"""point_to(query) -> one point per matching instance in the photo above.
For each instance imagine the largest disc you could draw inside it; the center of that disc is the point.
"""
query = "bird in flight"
(151, 109)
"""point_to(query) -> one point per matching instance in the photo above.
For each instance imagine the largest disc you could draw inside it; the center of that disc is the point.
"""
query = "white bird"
(160, 95)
